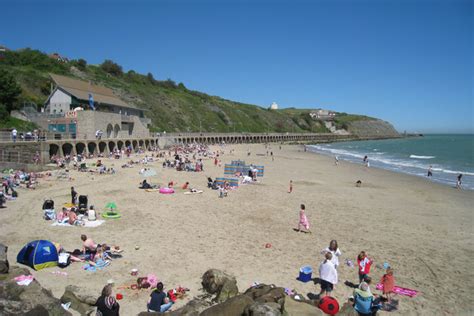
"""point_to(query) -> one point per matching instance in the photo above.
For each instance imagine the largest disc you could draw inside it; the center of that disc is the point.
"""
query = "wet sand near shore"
(422, 229)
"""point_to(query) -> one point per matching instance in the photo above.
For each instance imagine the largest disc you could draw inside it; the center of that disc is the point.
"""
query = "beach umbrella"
(149, 173)
(111, 206)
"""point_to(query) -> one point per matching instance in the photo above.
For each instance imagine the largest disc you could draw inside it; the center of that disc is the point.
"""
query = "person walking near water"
(430, 172)
(459, 182)
(291, 187)
(336, 160)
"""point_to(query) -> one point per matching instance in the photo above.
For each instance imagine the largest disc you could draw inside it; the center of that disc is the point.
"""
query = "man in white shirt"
(14, 133)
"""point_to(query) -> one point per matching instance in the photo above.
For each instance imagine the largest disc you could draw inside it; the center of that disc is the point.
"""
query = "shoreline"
(395, 162)
(399, 219)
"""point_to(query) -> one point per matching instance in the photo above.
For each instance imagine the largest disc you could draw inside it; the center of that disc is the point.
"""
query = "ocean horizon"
(448, 155)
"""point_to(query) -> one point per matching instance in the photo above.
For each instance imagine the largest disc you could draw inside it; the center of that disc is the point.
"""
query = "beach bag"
(64, 259)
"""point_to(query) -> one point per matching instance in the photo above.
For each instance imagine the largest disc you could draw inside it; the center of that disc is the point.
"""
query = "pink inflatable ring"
(166, 190)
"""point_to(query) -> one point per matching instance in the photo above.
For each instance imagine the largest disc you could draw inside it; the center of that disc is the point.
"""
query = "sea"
(448, 155)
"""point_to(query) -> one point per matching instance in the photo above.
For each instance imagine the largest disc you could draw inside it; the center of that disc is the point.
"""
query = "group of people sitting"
(159, 301)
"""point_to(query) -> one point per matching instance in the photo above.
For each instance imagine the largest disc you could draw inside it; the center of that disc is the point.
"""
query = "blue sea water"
(449, 155)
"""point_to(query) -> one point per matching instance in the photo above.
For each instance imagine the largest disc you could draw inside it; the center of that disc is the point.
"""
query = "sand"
(424, 230)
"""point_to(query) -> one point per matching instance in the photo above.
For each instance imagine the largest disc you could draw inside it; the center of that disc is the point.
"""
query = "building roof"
(81, 89)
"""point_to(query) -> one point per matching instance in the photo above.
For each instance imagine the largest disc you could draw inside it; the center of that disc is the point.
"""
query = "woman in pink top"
(303, 220)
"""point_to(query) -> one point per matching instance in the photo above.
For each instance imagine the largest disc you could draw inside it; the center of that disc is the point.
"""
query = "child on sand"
(327, 275)
(388, 283)
(303, 219)
(364, 263)
(291, 187)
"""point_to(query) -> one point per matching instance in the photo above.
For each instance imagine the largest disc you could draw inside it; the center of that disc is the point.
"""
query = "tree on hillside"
(81, 64)
(150, 77)
(111, 68)
(9, 91)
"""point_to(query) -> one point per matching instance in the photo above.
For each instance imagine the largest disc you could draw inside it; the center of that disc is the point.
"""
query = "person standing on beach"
(73, 196)
(327, 275)
(336, 160)
(459, 182)
(430, 172)
(334, 250)
(303, 220)
(291, 187)
(364, 263)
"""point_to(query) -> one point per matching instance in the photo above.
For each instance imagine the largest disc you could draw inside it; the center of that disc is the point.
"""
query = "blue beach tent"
(38, 254)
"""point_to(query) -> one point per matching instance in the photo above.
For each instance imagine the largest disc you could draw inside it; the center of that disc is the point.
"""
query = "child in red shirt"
(364, 263)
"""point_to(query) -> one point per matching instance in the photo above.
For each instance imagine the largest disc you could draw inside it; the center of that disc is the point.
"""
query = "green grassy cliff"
(172, 107)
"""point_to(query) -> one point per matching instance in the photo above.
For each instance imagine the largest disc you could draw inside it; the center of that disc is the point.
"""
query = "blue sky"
(405, 61)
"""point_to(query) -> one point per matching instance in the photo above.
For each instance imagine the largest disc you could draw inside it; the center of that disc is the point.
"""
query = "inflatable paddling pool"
(113, 215)
(166, 190)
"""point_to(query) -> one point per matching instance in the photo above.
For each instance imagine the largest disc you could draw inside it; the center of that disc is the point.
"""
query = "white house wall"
(59, 102)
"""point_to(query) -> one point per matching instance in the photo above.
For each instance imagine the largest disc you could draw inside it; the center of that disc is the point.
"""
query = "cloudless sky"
(409, 62)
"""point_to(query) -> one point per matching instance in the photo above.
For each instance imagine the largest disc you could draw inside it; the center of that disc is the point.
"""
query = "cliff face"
(372, 128)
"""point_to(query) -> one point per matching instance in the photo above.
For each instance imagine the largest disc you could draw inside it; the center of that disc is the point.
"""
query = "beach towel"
(88, 224)
(152, 190)
(400, 290)
(24, 279)
(197, 192)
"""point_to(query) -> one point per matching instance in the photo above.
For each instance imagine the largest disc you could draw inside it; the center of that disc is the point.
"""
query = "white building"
(321, 114)
(274, 106)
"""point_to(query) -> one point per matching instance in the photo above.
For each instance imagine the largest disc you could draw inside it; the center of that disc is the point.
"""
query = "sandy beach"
(422, 229)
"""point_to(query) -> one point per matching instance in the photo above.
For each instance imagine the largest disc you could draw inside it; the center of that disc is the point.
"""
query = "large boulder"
(193, 308)
(4, 265)
(220, 283)
(234, 306)
(263, 309)
(81, 301)
(296, 308)
(264, 293)
(27, 300)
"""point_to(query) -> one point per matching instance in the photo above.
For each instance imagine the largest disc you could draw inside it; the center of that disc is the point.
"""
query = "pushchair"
(48, 210)
(3, 200)
(83, 204)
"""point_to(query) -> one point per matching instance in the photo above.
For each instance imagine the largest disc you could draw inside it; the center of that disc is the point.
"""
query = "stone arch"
(147, 144)
(127, 143)
(109, 130)
(135, 145)
(111, 146)
(116, 130)
(92, 147)
(80, 148)
(53, 150)
(120, 145)
(67, 149)
(102, 147)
